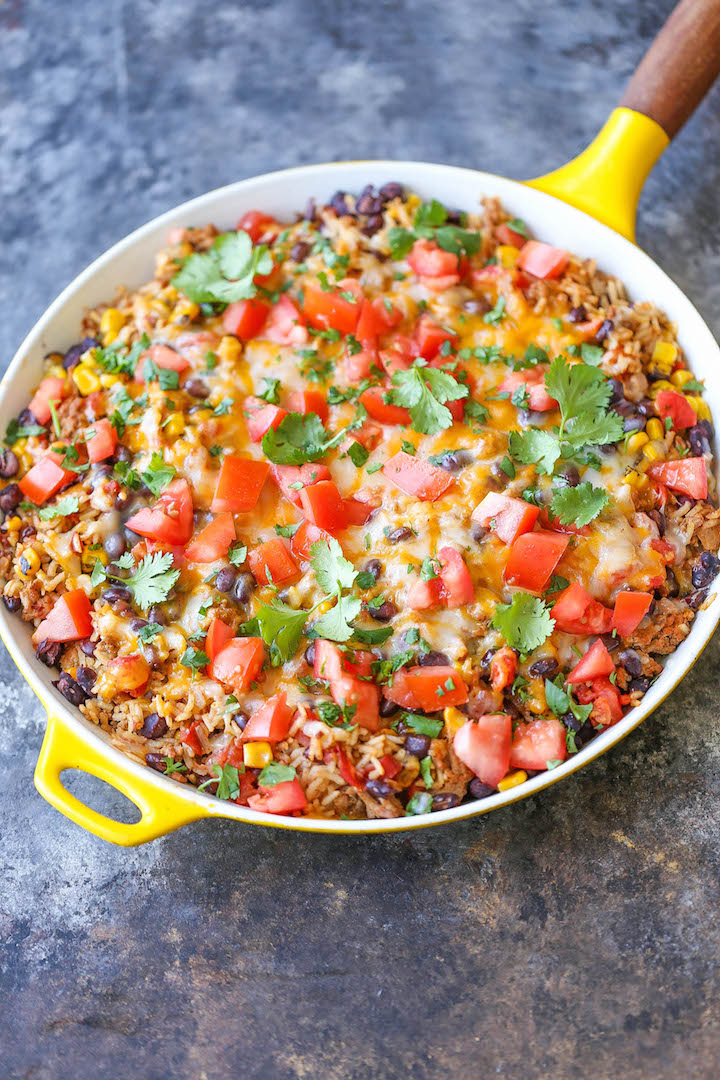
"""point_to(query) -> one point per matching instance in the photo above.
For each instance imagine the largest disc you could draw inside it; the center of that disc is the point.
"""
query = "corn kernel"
(185, 310)
(664, 356)
(229, 348)
(169, 293)
(636, 479)
(29, 563)
(651, 453)
(89, 558)
(107, 380)
(512, 780)
(57, 371)
(656, 387)
(701, 407)
(682, 376)
(183, 448)
(324, 606)
(636, 442)
(175, 425)
(86, 381)
(13, 523)
(257, 754)
(111, 323)
(508, 255)
(200, 415)
(454, 720)
(654, 428)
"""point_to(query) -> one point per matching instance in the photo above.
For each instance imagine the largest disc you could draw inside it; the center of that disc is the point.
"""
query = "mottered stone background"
(571, 935)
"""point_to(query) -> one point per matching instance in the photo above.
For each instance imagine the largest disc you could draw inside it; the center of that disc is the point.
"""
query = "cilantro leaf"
(577, 388)
(158, 474)
(596, 429)
(332, 570)
(525, 622)
(16, 430)
(424, 391)
(153, 579)
(281, 628)
(118, 359)
(276, 773)
(420, 803)
(495, 317)
(423, 725)
(578, 505)
(426, 772)
(229, 782)
(560, 701)
(149, 632)
(535, 447)
(432, 213)
(195, 659)
(69, 505)
(271, 391)
(591, 354)
(297, 438)
(225, 273)
(334, 625)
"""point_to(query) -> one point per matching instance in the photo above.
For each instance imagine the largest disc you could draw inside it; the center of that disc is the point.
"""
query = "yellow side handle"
(606, 179)
(162, 811)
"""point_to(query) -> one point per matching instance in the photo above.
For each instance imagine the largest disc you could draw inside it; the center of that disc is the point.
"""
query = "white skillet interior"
(130, 263)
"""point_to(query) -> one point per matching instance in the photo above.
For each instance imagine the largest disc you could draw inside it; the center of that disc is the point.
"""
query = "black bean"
(379, 789)
(339, 204)
(154, 727)
(454, 460)
(625, 408)
(300, 251)
(87, 678)
(385, 612)
(9, 464)
(571, 476)
(243, 588)
(196, 388)
(672, 585)
(122, 453)
(156, 615)
(646, 407)
(617, 391)
(27, 532)
(478, 790)
(642, 683)
(659, 518)
(49, 652)
(369, 202)
(486, 659)
(374, 567)
(225, 579)
(87, 647)
(477, 305)
(310, 654)
(630, 661)
(117, 593)
(72, 356)
(10, 497)
(373, 224)
(698, 438)
(571, 721)
(633, 423)
(12, 603)
(611, 643)
(544, 668)
(605, 328)
(433, 659)
(71, 689)
(391, 190)
(478, 532)
(578, 314)
(137, 624)
(310, 212)
(696, 599)
(157, 762)
(131, 538)
(445, 800)
(115, 545)
(387, 708)
(585, 735)
(417, 745)
(151, 655)
(397, 535)
(705, 570)
(241, 720)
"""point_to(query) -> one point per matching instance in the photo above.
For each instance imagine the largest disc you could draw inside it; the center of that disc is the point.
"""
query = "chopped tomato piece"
(381, 410)
(330, 310)
(322, 504)
(128, 673)
(213, 541)
(533, 379)
(596, 661)
(284, 798)
(238, 663)
(506, 235)
(576, 612)
(484, 746)
(556, 525)
(245, 318)
(670, 404)
(271, 722)
(430, 337)
(303, 540)
(45, 479)
(417, 477)
(607, 701)
(503, 667)
(688, 476)
(50, 389)
(390, 765)
(399, 355)
(630, 610)
(455, 578)
(162, 356)
(68, 620)
(302, 475)
(239, 484)
(348, 691)
(332, 663)
(347, 770)
(217, 637)
(423, 595)
(170, 519)
(103, 441)
(542, 260)
(285, 325)
(427, 688)
(255, 223)
(429, 260)
(272, 563)
(308, 401)
(260, 417)
(537, 743)
(376, 317)
(533, 558)
(358, 365)
(189, 738)
(506, 516)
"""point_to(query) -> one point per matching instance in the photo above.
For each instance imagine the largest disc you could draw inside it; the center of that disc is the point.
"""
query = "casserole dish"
(605, 180)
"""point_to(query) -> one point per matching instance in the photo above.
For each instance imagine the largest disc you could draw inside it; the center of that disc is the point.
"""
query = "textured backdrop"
(571, 935)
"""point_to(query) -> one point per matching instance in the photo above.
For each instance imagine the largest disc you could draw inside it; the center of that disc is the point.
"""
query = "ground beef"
(74, 415)
(452, 775)
(389, 807)
(36, 604)
(669, 626)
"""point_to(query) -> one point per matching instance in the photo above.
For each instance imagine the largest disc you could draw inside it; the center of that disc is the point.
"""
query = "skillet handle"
(683, 61)
(162, 811)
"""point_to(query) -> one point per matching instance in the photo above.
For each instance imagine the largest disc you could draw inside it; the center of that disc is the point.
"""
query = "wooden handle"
(679, 67)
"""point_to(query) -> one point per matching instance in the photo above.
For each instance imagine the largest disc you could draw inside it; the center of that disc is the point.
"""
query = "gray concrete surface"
(572, 935)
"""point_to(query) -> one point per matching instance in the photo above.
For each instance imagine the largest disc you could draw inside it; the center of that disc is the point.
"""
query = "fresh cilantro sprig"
(119, 359)
(228, 782)
(68, 505)
(150, 583)
(430, 223)
(158, 474)
(16, 430)
(561, 701)
(525, 622)
(423, 391)
(276, 773)
(578, 505)
(225, 273)
(334, 573)
(297, 439)
(281, 628)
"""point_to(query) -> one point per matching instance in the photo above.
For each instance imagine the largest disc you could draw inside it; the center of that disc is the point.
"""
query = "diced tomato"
(429, 260)
(271, 722)
(390, 766)
(607, 701)
(534, 381)
(630, 610)
(189, 738)
(347, 770)
(284, 798)
(247, 782)
(260, 417)
(670, 404)
(533, 558)
(162, 356)
(305, 475)
(376, 317)
(272, 563)
(45, 479)
(239, 484)
(330, 311)
(238, 663)
(542, 260)
(423, 595)
(506, 235)
(285, 324)
(102, 442)
(665, 550)
(170, 519)
(128, 673)
(417, 477)
(358, 365)
(255, 223)
(217, 637)
(357, 512)
(308, 401)
(399, 355)
(430, 336)
(50, 389)
(537, 743)
(213, 541)
(596, 661)
(348, 691)
(688, 476)
(456, 581)
(503, 667)
(68, 620)
(427, 688)
(332, 663)
(576, 612)
(507, 516)
(303, 540)
(380, 410)
(245, 318)
(554, 524)
(323, 505)
(484, 746)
